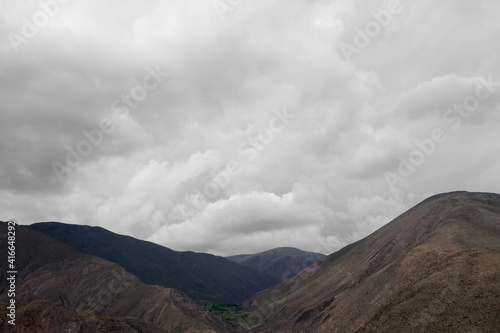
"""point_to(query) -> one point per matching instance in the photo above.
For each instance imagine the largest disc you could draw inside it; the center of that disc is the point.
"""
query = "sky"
(237, 126)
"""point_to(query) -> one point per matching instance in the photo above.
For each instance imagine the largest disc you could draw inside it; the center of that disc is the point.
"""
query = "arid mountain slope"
(51, 271)
(281, 263)
(202, 276)
(44, 316)
(436, 268)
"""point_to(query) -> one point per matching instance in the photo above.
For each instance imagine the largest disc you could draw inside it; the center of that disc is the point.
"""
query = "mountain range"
(435, 268)
(202, 276)
(78, 288)
(87, 293)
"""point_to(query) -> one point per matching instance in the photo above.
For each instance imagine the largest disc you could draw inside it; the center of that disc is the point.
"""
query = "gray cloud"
(318, 182)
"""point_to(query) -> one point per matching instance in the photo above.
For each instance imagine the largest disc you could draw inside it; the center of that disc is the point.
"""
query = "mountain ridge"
(431, 264)
(202, 276)
(91, 292)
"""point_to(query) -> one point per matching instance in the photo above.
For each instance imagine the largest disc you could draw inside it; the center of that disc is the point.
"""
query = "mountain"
(81, 288)
(201, 276)
(281, 263)
(435, 268)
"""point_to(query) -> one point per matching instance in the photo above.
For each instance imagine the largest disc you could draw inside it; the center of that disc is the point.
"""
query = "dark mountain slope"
(42, 250)
(435, 268)
(280, 263)
(51, 271)
(202, 276)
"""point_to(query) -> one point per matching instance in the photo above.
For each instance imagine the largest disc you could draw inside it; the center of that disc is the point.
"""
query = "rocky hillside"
(49, 270)
(44, 316)
(433, 269)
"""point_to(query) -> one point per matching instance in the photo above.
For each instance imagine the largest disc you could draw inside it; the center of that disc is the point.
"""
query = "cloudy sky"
(236, 126)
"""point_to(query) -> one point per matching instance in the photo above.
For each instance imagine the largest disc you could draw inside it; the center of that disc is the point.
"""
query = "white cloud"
(249, 220)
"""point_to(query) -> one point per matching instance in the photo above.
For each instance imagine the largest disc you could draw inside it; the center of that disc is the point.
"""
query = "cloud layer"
(238, 126)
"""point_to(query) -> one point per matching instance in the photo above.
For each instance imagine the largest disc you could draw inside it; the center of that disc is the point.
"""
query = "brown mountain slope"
(435, 268)
(168, 308)
(44, 316)
(51, 271)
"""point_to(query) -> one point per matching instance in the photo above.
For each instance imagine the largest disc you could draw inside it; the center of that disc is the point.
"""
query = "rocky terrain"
(433, 269)
(43, 316)
(49, 270)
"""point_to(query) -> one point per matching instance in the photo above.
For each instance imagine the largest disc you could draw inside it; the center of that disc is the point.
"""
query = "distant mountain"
(201, 276)
(280, 263)
(435, 268)
(49, 270)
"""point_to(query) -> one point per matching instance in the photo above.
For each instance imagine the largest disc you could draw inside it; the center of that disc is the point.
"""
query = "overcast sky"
(236, 126)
